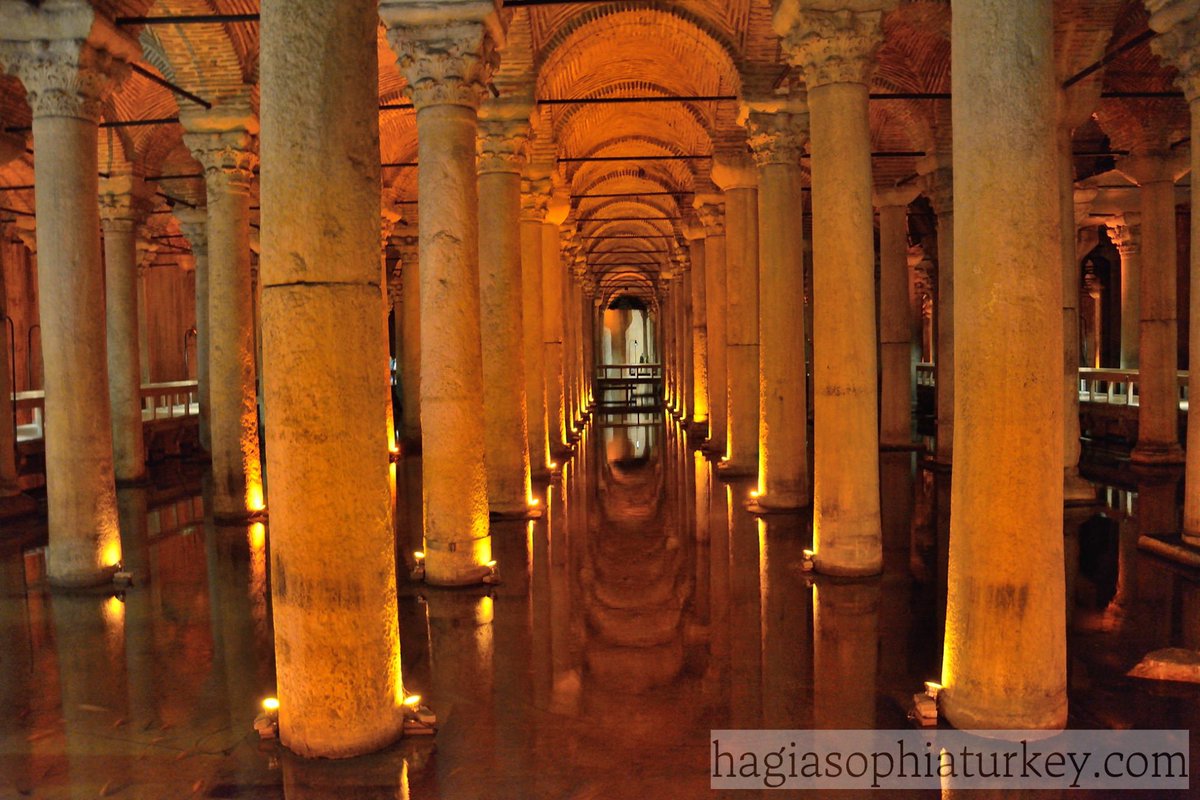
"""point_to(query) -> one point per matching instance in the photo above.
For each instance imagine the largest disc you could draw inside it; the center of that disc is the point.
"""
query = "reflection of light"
(553, 465)
(412, 700)
(270, 704)
(254, 496)
(114, 612)
(754, 493)
(257, 536)
(533, 501)
(419, 555)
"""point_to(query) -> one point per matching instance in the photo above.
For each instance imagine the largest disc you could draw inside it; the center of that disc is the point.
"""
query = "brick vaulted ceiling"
(621, 48)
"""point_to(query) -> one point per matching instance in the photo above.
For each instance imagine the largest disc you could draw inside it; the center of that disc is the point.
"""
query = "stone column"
(69, 59)
(9, 486)
(1126, 233)
(1178, 23)
(535, 195)
(777, 134)
(587, 321)
(119, 214)
(895, 326)
(552, 327)
(503, 129)
(711, 210)
(337, 643)
(940, 190)
(446, 59)
(1073, 206)
(739, 180)
(1004, 664)
(569, 348)
(684, 335)
(222, 142)
(699, 332)
(836, 50)
(409, 353)
(193, 223)
(1158, 343)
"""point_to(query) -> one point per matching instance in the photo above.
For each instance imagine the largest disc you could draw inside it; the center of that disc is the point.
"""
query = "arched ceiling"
(614, 49)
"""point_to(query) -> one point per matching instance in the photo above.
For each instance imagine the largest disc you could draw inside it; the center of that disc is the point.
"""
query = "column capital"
(734, 171)
(123, 202)
(68, 56)
(227, 157)
(1083, 199)
(896, 195)
(447, 53)
(938, 186)
(193, 224)
(776, 128)
(535, 197)
(25, 229)
(1125, 232)
(1178, 24)
(389, 214)
(501, 141)
(710, 209)
(831, 46)
(1153, 167)
(147, 251)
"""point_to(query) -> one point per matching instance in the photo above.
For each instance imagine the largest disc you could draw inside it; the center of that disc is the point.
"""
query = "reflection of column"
(836, 49)
(1126, 235)
(534, 196)
(222, 144)
(845, 654)
(1004, 663)
(745, 615)
(446, 63)
(711, 211)
(1178, 45)
(699, 332)
(119, 212)
(777, 134)
(193, 222)
(1158, 343)
(337, 643)
(739, 180)
(502, 136)
(784, 599)
(65, 81)
(895, 329)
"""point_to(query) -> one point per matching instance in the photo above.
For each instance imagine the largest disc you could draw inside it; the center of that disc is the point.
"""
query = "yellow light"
(553, 465)
(412, 700)
(270, 704)
(111, 555)
(419, 555)
(114, 611)
(754, 492)
(491, 564)
(258, 536)
(533, 501)
(254, 497)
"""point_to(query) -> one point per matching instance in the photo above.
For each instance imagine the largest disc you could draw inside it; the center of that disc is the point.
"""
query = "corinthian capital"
(228, 159)
(123, 202)
(776, 129)
(193, 224)
(503, 134)
(710, 209)
(68, 56)
(831, 46)
(1125, 232)
(447, 51)
(1178, 43)
(535, 199)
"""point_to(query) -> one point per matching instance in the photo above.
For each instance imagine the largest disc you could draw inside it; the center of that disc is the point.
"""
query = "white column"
(193, 223)
(895, 329)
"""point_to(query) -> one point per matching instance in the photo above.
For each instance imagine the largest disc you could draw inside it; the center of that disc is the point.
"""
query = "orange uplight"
(270, 704)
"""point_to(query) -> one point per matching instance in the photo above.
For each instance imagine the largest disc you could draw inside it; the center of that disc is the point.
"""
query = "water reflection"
(644, 608)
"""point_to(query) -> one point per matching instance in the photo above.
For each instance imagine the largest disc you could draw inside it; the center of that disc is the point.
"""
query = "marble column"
(569, 349)
(940, 190)
(553, 267)
(778, 131)
(836, 50)
(1004, 663)
(1158, 343)
(337, 642)
(1178, 23)
(503, 130)
(739, 180)
(684, 336)
(587, 301)
(69, 61)
(699, 332)
(222, 141)
(1073, 206)
(120, 211)
(1126, 233)
(535, 194)
(9, 486)
(193, 223)
(895, 327)
(446, 61)
(711, 210)
(409, 329)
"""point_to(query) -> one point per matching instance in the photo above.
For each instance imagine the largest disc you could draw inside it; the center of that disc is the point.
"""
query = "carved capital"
(1125, 232)
(64, 77)
(123, 202)
(193, 224)
(228, 159)
(1178, 43)
(445, 63)
(501, 145)
(939, 188)
(832, 46)
(776, 137)
(710, 209)
(535, 199)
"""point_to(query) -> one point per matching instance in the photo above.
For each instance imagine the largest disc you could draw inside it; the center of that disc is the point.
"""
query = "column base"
(473, 577)
(729, 470)
(1050, 715)
(832, 567)
(101, 579)
(1076, 490)
(1185, 553)
(766, 505)
(525, 512)
(239, 517)
(133, 483)
(1157, 454)
(933, 462)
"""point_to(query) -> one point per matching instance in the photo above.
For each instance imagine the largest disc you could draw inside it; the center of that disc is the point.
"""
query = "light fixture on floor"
(418, 570)
(807, 563)
(492, 576)
(418, 719)
(267, 723)
(924, 711)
